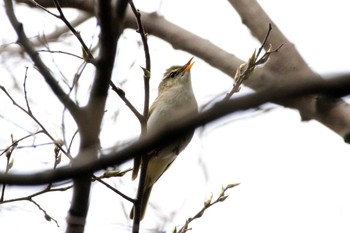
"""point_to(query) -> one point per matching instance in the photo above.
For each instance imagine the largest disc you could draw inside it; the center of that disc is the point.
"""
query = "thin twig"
(245, 70)
(44, 9)
(31, 115)
(207, 204)
(50, 37)
(16, 142)
(25, 91)
(71, 141)
(44, 130)
(143, 35)
(9, 164)
(121, 94)
(30, 199)
(62, 52)
(336, 87)
(137, 162)
(113, 189)
(37, 194)
(265, 40)
(43, 69)
(46, 215)
(89, 58)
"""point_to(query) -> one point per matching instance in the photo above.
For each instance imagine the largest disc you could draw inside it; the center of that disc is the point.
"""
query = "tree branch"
(32, 116)
(207, 204)
(50, 37)
(288, 63)
(140, 29)
(85, 5)
(122, 96)
(43, 69)
(89, 57)
(335, 87)
(110, 19)
(256, 19)
(287, 60)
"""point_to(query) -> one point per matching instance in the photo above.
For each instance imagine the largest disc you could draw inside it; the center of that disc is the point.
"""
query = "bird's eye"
(172, 74)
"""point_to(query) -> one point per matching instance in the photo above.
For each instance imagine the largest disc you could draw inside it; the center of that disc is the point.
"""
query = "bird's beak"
(188, 65)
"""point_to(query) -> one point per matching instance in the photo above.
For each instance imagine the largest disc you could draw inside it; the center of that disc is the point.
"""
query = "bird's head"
(176, 77)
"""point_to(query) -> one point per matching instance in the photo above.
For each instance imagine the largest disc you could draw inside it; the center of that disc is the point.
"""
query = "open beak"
(188, 65)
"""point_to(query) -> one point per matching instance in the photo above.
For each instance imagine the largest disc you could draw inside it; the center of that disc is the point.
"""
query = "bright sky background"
(294, 175)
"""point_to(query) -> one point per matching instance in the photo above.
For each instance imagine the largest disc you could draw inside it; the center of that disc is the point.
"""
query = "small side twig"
(31, 115)
(143, 120)
(61, 52)
(122, 96)
(38, 62)
(49, 37)
(9, 164)
(246, 69)
(89, 57)
(265, 40)
(146, 75)
(99, 179)
(25, 90)
(207, 204)
(46, 215)
(57, 153)
(30, 199)
(15, 142)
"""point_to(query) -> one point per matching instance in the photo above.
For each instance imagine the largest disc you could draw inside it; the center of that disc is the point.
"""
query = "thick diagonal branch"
(287, 63)
(335, 87)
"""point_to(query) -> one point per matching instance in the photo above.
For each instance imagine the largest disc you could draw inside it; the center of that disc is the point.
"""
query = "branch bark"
(282, 66)
(288, 64)
(43, 69)
(335, 87)
(110, 19)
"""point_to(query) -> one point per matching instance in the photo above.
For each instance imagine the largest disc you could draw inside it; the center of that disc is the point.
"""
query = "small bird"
(175, 100)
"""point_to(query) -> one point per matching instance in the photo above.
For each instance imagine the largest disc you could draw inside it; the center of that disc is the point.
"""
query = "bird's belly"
(158, 164)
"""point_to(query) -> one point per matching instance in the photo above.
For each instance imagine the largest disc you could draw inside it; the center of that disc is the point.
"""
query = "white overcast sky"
(294, 175)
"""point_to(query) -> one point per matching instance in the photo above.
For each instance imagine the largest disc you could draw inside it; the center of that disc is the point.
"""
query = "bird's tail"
(135, 170)
(145, 197)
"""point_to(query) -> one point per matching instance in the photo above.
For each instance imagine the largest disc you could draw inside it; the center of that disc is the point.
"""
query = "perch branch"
(335, 87)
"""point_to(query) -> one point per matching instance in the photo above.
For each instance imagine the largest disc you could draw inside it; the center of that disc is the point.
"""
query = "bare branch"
(85, 5)
(46, 190)
(334, 87)
(46, 215)
(263, 78)
(121, 94)
(256, 19)
(16, 142)
(246, 69)
(50, 37)
(62, 52)
(207, 204)
(143, 121)
(31, 115)
(89, 57)
(110, 19)
(30, 199)
(113, 189)
(146, 75)
(43, 69)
